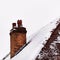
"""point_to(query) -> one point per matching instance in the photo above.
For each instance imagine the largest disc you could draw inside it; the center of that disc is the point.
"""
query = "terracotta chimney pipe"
(13, 25)
(19, 22)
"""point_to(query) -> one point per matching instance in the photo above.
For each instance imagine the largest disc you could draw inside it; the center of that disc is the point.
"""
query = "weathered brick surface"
(17, 40)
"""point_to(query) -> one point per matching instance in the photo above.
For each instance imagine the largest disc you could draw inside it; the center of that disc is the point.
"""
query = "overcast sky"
(34, 13)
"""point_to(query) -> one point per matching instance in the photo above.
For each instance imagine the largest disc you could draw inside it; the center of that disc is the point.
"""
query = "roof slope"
(52, 46)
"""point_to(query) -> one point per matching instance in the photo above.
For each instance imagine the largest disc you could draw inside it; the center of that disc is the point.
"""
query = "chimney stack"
(17, 38)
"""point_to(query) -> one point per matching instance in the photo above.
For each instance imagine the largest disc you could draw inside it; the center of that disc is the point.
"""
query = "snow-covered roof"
(31, 51)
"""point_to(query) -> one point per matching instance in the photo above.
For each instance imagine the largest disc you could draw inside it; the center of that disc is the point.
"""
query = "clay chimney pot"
(19, 22)
(13, 25)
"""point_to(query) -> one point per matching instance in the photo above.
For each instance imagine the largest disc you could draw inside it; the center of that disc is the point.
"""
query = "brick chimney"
(17, 37)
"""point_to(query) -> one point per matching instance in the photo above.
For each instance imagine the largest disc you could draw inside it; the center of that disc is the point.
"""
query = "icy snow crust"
(31, 51)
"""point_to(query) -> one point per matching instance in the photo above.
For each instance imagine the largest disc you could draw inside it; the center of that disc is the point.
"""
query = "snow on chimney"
(17, 38)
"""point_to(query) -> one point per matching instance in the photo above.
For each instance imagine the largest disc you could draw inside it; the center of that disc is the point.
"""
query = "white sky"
(34, 13)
